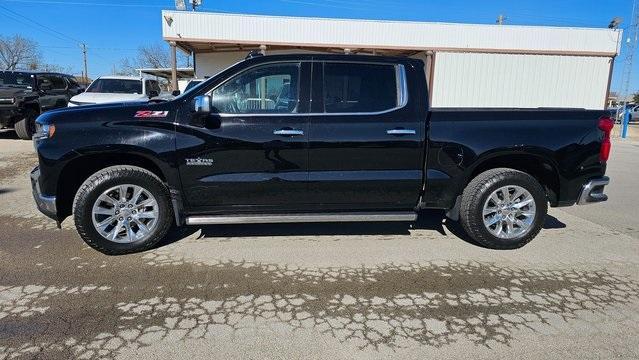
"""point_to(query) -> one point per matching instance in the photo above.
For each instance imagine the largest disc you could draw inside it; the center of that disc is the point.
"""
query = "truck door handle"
(399, 132)
(288, 132)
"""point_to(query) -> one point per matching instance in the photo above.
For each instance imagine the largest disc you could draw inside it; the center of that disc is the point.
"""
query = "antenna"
(180, 5)
(631, 49)
(195, 3)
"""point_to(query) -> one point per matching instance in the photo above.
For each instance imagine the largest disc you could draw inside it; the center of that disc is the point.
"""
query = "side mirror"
(153, 93)
(175, 92)
(202, 104)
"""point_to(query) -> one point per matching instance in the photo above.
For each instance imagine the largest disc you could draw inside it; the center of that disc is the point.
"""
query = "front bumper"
(6, 114)
(593, 191)
(46, 204)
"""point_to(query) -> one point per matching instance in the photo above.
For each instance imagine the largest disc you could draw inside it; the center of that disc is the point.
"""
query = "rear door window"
(58, 82)
(72, 82)
(360, 88)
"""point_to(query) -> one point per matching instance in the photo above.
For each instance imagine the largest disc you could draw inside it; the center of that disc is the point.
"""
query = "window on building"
(262, 90)
(353, 88)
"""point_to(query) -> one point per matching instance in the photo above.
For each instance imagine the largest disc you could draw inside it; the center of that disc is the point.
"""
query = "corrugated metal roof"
(216, 28)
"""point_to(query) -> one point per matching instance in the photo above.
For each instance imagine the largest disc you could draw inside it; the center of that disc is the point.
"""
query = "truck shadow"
(8, 134)
(434, 220)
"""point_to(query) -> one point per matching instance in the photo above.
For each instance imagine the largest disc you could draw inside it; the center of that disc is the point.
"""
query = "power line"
(46, 2)
(39, 24)
(8, 15)
(55, 33)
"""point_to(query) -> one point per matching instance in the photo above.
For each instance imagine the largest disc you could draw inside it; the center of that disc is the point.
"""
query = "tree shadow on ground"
(385, 307)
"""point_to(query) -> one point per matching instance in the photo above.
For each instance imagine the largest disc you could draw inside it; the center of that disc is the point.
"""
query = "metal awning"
(182, 73)
(219, 32)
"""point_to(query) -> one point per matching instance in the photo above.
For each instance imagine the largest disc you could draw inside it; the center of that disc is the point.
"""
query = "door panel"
(56, 96)
(366, 152)
(255, 155)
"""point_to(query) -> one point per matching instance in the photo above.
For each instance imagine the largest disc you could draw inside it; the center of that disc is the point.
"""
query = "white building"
(467, 65)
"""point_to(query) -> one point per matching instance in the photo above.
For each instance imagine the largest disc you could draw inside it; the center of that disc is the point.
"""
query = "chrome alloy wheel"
(125, 213)
(509, 212)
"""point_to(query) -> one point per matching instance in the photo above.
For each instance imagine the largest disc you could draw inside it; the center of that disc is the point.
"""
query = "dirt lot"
(332, 291)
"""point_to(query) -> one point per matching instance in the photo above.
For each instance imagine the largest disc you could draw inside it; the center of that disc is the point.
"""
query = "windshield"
(16, 79)
(116, 86)
(192, 84)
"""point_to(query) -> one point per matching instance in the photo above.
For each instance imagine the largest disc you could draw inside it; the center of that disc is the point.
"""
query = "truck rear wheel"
(122, 209)
(25, 127)
(503, 208)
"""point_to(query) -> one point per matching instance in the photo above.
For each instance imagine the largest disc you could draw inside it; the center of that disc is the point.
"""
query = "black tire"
(105, 179)
(25, 127)
(478, 191)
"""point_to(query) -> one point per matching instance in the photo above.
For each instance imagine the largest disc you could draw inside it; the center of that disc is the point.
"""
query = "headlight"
(8, 101)
(45, 131)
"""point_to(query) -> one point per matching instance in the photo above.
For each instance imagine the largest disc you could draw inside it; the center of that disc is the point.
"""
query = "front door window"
(269, 89)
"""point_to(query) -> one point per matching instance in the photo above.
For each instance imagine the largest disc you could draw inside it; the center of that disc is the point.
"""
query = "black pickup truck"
(313, 138)
(26, 94)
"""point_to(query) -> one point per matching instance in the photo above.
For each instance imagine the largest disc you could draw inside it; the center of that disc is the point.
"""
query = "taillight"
(606, 124)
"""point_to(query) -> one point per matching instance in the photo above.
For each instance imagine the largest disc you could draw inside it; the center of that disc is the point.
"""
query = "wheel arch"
(538, 166)
(77, 170)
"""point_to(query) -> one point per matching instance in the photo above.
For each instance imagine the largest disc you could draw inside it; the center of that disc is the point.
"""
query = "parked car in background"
(26, 94)
(314, 138)
(108, 89)
(633, 109)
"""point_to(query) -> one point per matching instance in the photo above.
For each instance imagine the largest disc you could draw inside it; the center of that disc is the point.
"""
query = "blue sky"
(113, 29)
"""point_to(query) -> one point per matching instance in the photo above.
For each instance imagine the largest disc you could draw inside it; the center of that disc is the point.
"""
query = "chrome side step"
(302, 218)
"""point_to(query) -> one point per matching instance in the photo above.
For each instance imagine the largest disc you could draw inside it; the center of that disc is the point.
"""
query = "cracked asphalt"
(322, 291)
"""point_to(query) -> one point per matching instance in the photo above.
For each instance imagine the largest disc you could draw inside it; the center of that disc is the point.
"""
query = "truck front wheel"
(503, 208)
(122, 209)
(26, 126)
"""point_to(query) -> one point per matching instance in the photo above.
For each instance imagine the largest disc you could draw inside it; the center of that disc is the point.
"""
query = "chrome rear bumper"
(593, 191)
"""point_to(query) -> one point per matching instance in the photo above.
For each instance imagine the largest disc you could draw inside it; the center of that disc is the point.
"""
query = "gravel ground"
(331, 291)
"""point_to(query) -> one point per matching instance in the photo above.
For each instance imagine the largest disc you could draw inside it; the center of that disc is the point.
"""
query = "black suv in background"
(26, 94)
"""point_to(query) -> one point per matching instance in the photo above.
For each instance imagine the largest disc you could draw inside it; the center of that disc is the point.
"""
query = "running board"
(302, 218)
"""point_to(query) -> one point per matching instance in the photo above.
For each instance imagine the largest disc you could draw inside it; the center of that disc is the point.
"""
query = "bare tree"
(154, 56)
(127, 66)
(18, 52)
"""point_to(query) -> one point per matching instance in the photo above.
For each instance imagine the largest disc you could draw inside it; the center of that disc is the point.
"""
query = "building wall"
(520, 81)
(209, 64)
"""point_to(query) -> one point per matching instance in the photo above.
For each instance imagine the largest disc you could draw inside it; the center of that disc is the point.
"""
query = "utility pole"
(501, 19)
(195, 4)
(631, 49)
(84, 55)
(174, 82)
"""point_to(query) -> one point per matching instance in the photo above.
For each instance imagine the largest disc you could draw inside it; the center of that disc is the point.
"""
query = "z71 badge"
(151, 114)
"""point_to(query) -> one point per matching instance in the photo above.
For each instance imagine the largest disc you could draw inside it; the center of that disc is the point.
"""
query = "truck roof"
(35, 72)
(332, 57)
(121, 77)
